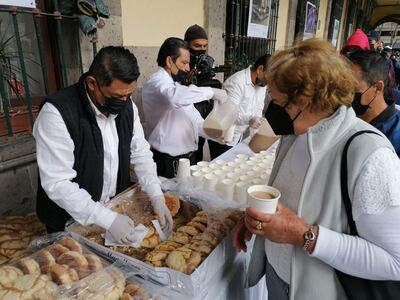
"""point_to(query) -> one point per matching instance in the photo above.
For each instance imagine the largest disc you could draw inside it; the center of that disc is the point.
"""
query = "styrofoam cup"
(221, 162)
(197, 179)
(242, 156)
(195, 168)
(231, 164)
(203, 163)
(227, 189)
(183, 168)
(214, 166)
(263, 198)
(210, 182)
(241, 191)
(232, 175)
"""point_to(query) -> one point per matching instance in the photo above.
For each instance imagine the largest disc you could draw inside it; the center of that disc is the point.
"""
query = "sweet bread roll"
(206, 236)
(73, 274)
(156, 255)
(15, 243)
(201, 219)
(190, 230)
(29, 266)
(45, 261)
(56, 250)
(136, 292)
(173, 203)
(3, 259)
(152, 239)
(168, 246)
(70, 243)
(94, 262)
(73, 259)
(180, 237)
(230, 223)
(184, 260)
(60, 274)
(203, 247)
(199, 226)
(9, 274)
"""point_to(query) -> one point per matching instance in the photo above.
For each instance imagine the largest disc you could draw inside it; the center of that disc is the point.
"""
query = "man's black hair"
(114, 63)
(374, 67)
(261, 61)
(171, 47)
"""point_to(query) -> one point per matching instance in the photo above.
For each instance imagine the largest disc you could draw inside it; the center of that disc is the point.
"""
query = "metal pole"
(36, 20)
(22, 66)
(5, 107)
(58, 18)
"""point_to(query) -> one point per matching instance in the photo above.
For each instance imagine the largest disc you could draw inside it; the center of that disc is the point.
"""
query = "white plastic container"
(220, 119)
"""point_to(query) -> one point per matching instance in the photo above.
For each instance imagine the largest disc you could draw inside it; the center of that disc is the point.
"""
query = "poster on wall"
(259, 15)
(23, 3)
(310, 26)
(335, 35)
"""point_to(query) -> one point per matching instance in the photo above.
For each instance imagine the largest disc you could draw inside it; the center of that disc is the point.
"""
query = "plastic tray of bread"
(62, 268)
(198, 247)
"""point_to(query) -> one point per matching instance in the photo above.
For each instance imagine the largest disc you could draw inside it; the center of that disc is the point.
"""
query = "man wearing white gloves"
(174, 124)
(247, 90)
(87, 136)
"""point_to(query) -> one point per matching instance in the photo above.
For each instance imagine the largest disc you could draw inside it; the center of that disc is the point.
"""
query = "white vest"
(320, 200)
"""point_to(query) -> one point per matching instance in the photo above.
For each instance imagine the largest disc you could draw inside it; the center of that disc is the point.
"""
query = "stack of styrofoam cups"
(231, 179)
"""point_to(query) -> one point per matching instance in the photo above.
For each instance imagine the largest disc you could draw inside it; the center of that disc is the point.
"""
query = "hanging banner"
(310, 26)
(23, 3)
(259, 15)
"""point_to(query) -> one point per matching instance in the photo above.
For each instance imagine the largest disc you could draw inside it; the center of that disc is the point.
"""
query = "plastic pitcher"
(263, 138)
(220, 119)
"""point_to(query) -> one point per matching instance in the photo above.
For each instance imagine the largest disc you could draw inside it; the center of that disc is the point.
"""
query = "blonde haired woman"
(299, 247)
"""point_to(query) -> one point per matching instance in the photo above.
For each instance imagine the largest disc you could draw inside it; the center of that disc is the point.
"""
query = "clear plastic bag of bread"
(58, 261)
(16, 232)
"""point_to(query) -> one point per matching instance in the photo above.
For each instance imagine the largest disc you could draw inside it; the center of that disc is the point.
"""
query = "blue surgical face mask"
(279, 119)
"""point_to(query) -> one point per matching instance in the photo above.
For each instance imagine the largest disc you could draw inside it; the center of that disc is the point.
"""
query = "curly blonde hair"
(312, 72)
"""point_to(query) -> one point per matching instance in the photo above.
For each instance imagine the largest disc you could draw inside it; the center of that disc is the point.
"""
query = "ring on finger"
(259, 226)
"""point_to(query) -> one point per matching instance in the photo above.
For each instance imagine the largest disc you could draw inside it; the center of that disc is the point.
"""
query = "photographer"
(202, 73)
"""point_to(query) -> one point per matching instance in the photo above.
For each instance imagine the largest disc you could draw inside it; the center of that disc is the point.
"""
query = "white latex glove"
(220, 95)
(123, 229)
(256, 122)
(161, 209)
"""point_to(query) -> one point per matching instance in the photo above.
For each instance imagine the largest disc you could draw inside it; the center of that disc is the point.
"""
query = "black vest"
(79, 117)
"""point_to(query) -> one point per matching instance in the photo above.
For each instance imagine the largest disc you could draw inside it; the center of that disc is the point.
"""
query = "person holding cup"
(300, 246)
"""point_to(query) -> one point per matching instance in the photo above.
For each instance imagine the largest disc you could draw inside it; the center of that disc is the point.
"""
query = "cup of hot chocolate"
(263, 198)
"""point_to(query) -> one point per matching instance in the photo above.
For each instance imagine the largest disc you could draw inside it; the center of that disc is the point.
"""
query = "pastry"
(45, 261)
(73, 259)
(168, 246)
(29, 266)
(60, 274)
(199, 226)
(180, 237)
(94, 262)
(157, 255)
(206, 236)
(57, 249)
(9, 274)
(173, 203)
(136, 292)
(70, 243)
(201, 246)
(190, 230)
(73, 274)
(201, 219)
(183, 259)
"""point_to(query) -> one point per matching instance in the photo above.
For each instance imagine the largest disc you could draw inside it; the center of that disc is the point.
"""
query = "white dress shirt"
(174, 124)
(249, 100)
(55, 157)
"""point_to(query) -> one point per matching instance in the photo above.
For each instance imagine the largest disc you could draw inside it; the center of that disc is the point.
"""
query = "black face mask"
(114, 105)
(358, 107)
(182, 76)
(279, 119)
(196, 53)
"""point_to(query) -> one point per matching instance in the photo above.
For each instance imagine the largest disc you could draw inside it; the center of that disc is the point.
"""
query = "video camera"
(203, 72)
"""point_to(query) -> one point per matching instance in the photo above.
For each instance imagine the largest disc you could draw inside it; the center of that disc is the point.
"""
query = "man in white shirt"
(174, 125)
(247, 90)
(87, 135)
